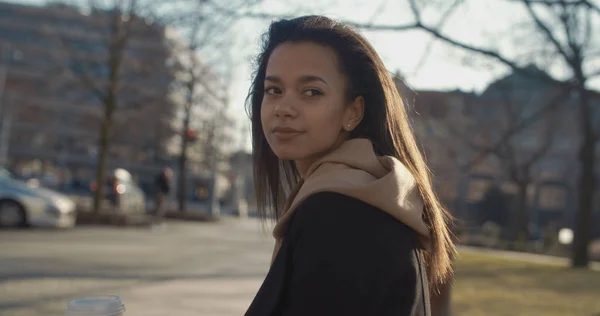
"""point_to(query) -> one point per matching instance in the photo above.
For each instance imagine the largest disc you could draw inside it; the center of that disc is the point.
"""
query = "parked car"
(122, 193)
(80, 191)
(21, 205)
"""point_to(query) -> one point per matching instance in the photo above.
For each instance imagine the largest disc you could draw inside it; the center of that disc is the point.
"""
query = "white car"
(21, 205)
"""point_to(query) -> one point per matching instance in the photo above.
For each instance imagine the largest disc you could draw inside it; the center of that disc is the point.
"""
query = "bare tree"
(567, 30)
(137, 93)
(519, 155)
(117, 56)
(199, 80)
(114, 29)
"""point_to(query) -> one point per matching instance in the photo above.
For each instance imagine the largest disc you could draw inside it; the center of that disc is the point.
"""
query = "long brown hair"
(385, 123)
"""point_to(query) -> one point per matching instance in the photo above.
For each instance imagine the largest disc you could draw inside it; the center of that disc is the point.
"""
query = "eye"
(272, 90)
(312, 92)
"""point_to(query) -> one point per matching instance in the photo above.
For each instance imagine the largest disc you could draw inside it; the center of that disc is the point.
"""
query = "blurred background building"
(54, 72)
(56, 67)
(55, 60)
(455, 127)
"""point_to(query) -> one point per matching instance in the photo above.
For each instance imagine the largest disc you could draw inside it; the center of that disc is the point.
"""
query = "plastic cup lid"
(102, 305)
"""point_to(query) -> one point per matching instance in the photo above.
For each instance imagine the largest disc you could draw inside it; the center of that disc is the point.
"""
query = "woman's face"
(305, 112)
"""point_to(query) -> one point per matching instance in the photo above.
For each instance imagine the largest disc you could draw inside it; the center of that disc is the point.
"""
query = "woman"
(359, 229)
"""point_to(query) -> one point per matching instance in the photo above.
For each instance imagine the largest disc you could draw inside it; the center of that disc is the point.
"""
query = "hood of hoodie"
(355, 170)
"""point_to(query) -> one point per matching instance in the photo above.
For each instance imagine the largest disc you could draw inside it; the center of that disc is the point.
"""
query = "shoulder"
(342, 215)
(340, 207)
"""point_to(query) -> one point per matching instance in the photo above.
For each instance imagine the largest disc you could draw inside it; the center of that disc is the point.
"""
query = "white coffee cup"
(101, 305)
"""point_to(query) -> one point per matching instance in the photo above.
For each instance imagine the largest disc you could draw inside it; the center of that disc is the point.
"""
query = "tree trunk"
(110, 106)
(520, 224)
(117, 46)
(101, 164)
(580, 256)
(182, 180)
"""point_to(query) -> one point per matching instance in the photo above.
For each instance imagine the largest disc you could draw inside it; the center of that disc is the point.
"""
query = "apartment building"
(454, 129)
(57, 62)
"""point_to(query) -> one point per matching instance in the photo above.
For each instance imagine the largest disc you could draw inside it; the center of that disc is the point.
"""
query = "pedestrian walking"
(163, 184)
(359, 228)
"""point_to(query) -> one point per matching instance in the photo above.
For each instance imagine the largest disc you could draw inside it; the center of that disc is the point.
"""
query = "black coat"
(341, 256)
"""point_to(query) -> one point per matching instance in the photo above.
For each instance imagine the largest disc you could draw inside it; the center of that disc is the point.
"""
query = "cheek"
(265, 114)
(324, 125)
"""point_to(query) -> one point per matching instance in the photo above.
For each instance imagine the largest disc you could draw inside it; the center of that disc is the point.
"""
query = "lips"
(285, 132)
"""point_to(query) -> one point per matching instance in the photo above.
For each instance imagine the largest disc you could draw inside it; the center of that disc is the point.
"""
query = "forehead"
(292, 59)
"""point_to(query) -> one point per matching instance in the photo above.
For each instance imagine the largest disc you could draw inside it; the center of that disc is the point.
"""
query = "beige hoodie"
(354, 170)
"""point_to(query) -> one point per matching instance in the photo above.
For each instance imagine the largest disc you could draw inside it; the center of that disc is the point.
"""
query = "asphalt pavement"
(181, 269)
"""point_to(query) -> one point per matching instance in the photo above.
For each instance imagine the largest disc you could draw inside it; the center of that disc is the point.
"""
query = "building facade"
(456, 129)
(57, 64)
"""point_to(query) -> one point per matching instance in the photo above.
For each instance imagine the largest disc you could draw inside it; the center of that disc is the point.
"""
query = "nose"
(285, 108)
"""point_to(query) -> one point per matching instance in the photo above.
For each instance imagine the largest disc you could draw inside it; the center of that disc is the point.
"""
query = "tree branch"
(89, 83)
(587, 37)
(567, 18)
(121, 127)
(471, 48)
(249, 15)
(555, 102)
(546, 30)
(512, 64)
(380, 9)
(467, 139)
(509, 109)
(577, 3)
(440, 25)
(510, 160)
(542, 150)
(591, 6)
(444, 143)
(415, 10)
(549, 131)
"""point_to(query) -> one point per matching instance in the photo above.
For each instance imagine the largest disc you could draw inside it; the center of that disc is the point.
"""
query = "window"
(552, 197)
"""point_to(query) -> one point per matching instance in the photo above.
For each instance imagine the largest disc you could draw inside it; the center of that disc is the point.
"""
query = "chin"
(287, 153)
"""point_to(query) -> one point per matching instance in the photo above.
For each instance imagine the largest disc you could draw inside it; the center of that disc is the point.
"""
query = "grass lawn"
(488, 285)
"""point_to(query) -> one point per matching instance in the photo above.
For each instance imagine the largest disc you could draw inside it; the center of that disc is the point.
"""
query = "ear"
(354, 113)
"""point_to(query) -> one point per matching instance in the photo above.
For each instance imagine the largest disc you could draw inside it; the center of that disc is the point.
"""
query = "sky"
(400, 51)
(491, 23)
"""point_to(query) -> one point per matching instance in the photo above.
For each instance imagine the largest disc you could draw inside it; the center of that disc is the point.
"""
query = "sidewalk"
(231, 296)
(222, 297)
(227, 291)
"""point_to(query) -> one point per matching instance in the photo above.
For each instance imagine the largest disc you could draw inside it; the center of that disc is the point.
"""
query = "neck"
(304, 164)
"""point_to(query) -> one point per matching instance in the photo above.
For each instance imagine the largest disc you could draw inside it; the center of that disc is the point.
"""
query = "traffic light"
(191, 135)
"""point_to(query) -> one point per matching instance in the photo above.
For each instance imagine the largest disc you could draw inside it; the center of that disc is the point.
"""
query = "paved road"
(184, 269)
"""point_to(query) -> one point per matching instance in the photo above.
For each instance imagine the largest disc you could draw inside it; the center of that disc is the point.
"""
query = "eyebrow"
(303, 79)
